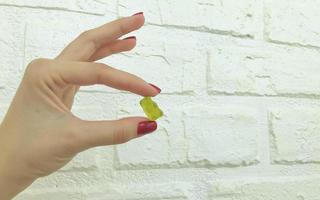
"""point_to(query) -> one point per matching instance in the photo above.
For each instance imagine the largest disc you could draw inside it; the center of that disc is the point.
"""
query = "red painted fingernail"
(146, 127)
(155, 87)
(139, 13)
(131, 37)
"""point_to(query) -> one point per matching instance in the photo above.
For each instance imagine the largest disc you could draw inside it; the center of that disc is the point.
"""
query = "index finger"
(88, 42)
(86, 73)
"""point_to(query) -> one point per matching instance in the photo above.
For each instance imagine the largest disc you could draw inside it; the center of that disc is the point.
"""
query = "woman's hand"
(39, 134)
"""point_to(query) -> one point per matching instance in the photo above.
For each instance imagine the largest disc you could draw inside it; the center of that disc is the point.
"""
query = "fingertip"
(146, 127)
(140, 19)
(140, 126)
(138, 13)
(130, 43)
(130, 38)
(155, 87)
(147, 91)
(154, 90)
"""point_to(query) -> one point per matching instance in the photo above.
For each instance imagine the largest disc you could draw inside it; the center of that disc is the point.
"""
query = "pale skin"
(39, 134)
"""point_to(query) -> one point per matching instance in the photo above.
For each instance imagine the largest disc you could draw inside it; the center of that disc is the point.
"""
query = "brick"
(295, 134)
(259, 69)
(163, 148)
(101, 7)
(151, 150)
(266, 189)
(11, 49)
(51, 194)
(92, 7)
(236, 18)
(221, 136)
(293, 22)
(145, 191)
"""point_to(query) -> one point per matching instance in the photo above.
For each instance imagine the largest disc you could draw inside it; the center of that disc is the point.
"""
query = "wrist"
(11, 185)
(12, 181)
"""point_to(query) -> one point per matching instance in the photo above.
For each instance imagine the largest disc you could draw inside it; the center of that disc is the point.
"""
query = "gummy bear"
(151, 108)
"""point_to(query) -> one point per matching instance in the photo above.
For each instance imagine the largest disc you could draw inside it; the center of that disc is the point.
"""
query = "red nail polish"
(139, 13)
(146, 127)
(155, 87)
(131, 37)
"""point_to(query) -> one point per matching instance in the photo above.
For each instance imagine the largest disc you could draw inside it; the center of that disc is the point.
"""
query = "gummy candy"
(151, 108)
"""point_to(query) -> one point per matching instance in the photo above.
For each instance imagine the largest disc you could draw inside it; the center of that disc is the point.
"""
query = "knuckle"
(87, 37)
(36, 63)
(101, 66)
(100, 69)
(122, 29)
(127, 84)
(36, 66)
(121, 135)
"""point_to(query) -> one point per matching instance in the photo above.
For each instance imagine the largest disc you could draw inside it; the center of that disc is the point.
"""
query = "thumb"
(100, 133)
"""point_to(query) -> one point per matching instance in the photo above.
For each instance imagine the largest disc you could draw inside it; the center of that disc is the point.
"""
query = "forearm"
(11, 186)
(12, 181)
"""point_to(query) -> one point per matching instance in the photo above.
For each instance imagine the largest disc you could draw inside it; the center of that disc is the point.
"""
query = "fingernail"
(155, 87)
(146, 127)
(131, 37)
(139, 13)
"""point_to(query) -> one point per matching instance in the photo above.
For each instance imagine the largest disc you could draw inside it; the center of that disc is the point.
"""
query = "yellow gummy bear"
(151, 108)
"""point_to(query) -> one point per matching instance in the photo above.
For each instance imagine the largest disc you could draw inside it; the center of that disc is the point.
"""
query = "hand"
(39, 134)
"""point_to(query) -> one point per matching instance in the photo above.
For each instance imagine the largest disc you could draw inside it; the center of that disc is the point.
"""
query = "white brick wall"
(241, 91)
(295, 133)
(221, 135)
(265, 188)
(293, 22)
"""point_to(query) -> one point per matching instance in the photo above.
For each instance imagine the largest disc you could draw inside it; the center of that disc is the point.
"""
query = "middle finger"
(84, 46)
